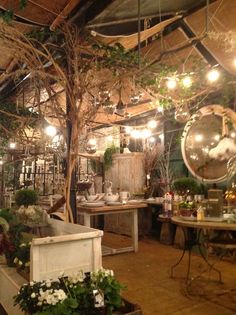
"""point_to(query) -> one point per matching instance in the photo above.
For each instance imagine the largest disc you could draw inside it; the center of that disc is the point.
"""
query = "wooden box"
(64, 247)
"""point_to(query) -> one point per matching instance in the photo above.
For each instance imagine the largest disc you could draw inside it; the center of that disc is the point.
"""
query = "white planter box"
(64, 247)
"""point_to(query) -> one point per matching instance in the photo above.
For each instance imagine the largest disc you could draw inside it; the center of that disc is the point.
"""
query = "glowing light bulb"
(233, 134)
(217, 137)
(171, 84)
(187, 82)
(50, 131)
(128, 130)
(234, 62)
(161, 136)
(1, 162)
(92, 141)
(152, 124)
(12, 145)
(152, 139)
(135, 134)
(109, 138)
(145, 133)
(213, 75)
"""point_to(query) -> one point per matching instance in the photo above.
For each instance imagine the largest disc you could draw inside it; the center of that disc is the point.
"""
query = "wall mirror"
(208, 142)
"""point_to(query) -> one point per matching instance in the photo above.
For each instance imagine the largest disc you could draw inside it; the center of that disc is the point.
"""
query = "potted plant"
(186, 186)
(28, 212)
(92, 293)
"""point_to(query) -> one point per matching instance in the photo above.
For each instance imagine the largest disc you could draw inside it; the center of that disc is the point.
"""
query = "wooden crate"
(64, 247)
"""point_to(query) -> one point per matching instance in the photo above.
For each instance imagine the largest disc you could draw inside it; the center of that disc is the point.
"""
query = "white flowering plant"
(22, 256)
(81, 294)
(32, 214)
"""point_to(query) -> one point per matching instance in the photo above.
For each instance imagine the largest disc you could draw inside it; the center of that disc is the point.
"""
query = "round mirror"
(208, 142)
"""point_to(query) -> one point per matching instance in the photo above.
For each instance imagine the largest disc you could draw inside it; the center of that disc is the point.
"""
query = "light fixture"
(1, 162)
(135, 134)
(50, 131)
(187, 82)
(109, 138)
(217, 137)
(232, 134)
(152, 140)
(128, 129)
(12, 145)
(171, 83)
(213, 75)
(91, 146)
(145, 133)
(152, 124)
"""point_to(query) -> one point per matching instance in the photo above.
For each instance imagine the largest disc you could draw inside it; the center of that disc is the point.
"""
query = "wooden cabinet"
(127, 174)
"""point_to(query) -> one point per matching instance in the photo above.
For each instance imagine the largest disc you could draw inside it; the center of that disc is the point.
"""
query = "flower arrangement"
(83, 293)
(22, 256)
(31, 214)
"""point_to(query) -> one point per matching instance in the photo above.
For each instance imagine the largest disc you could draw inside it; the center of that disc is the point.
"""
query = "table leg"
(134, 229)
(87, 219)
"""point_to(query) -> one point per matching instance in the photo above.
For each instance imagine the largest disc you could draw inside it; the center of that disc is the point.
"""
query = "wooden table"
(192, 239)
(88, 212)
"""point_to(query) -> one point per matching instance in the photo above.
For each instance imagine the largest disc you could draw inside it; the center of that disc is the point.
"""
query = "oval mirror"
(208, 142)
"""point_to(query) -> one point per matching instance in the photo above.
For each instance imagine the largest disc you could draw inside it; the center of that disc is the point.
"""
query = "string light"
(92, 141)
(128, 130)
(12, 145)
(135, 134)
(213, 75)
(152, 124)
(152, 139)
(1, 162)
(50, 131)
(171, 83)
(187, 82)
(145, 133)
(109, 138)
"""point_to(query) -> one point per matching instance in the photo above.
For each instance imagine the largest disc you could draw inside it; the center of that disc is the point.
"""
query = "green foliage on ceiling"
(8, 15)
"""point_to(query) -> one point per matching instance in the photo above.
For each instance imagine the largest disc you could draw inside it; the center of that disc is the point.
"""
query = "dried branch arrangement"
(62, 77)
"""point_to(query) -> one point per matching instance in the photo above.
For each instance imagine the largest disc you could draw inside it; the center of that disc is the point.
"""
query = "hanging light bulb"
(152, 124)
(182, 114)
(128, 129)
(213, 75)
(50, 131)
(1, 162)
(109, 138)
(152, 139)
(171, 83)
(145, 133)
(12, 145)
(135, 134)
(187, 82)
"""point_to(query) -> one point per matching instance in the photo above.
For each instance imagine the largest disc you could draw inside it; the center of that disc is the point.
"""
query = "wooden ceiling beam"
(64, 13)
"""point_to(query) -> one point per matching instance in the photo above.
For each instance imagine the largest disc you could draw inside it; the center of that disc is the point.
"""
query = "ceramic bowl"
(111, 198)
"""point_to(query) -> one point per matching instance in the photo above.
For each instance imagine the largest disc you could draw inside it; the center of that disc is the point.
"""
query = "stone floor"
(147, 277)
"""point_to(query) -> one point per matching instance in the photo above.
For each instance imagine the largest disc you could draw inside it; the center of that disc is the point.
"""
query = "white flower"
(33, 295)
(20, 263)
(77, 277)
(48, 283)
(15, 260)
(22, 245)
(31, 283)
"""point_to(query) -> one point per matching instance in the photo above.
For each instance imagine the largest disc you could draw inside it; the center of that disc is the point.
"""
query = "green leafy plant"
(107, 157)
(186, 185)
(84, 294)
(26, 197)
(22, 256)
